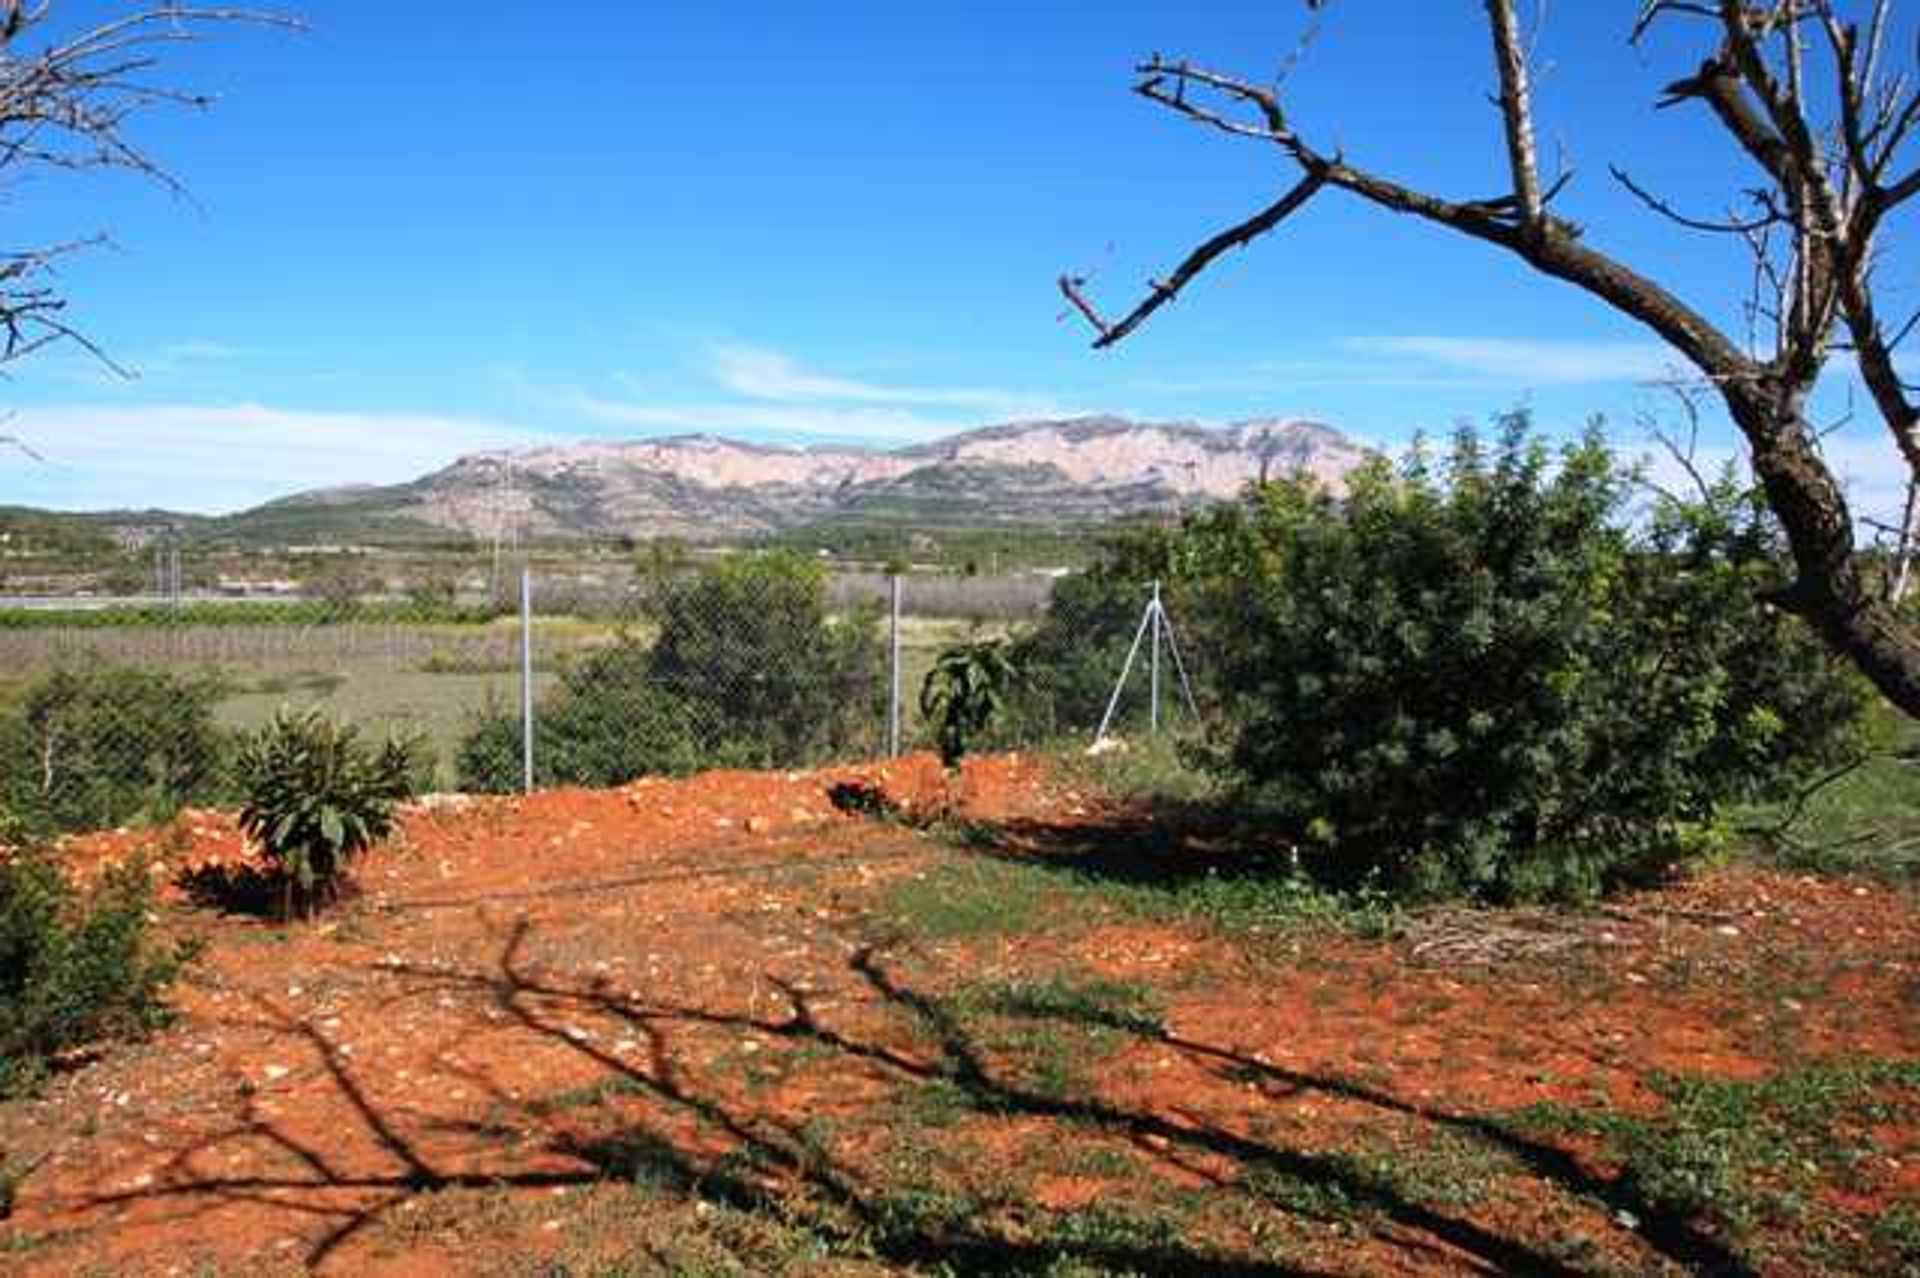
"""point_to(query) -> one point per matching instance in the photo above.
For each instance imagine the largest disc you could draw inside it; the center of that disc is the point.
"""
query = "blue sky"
(426, 228)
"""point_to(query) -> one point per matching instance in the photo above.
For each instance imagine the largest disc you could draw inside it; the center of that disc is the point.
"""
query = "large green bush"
(73, 972)
(1486, 677)
(93, 745)
(748, 669)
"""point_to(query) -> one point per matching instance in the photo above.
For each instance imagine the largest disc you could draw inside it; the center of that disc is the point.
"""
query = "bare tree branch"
(1516, 109)
(1164, 291)
(1812, 236)
(66, 105)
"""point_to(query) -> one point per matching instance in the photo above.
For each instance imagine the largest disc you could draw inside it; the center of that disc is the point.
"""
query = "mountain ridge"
(702, 486)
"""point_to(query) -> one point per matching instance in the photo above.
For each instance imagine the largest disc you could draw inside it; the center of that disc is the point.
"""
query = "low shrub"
(92, 745)
(317, 796)
(963, 693)
(74, 971)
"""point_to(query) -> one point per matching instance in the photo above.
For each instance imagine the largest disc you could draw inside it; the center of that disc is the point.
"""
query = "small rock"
(758, 825)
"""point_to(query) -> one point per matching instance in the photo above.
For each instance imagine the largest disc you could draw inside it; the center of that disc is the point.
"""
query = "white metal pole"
(893, 689)
(1113, 702)
(1154, 666)
(526, 676)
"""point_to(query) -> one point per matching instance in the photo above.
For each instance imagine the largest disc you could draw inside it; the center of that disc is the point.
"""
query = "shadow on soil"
(761, 1162)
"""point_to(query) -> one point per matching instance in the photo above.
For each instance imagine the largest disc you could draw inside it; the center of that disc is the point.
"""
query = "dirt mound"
(577, 827)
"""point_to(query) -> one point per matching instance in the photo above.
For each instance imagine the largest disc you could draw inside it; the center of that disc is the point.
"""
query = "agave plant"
(317, 796)
(963, 692)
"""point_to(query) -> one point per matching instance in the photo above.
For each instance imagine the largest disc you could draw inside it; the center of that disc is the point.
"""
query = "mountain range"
(1076, 471)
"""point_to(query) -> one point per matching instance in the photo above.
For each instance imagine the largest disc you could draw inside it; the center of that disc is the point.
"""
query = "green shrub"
(748, 670)
(74, 972)
(316, 797)
(962, 694)
(1484, 678)
(608, 722)
(768, 676)
(94, 745)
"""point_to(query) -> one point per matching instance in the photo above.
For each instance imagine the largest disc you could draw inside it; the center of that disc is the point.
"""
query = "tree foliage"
(1480, 676)
(748, 669)
(92, 745)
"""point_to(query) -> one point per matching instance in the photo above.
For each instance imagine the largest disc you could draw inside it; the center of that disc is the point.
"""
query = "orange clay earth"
(719, 1025)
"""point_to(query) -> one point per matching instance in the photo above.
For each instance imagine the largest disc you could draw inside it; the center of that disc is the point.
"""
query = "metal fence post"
(1154, 663)
(526, 676)
(893, 671)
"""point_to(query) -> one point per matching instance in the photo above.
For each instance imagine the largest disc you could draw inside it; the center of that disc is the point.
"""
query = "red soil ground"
(701, 988)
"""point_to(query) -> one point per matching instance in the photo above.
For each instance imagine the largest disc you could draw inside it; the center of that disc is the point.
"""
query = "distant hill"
(701, 487)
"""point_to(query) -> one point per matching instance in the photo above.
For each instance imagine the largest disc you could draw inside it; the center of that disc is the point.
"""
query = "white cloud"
(822, 421)
(1865, 462)
(763, 374)
(1503, 361)
(209, 459)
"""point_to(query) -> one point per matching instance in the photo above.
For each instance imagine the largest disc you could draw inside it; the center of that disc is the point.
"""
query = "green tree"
(92, 745)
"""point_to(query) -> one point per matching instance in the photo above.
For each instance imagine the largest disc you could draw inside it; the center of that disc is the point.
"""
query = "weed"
(974, 898)
(1127, 1006)
(1743, 1154)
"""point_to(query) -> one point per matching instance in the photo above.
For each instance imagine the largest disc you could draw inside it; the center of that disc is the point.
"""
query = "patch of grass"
(1047, 1032)
(317, 683)
(590, 1095)
(1145, 769)
(1254, 906)
(1000, 893)
(976, 898)
(1748, 1157)
(1866, 821)
(1127, 1006)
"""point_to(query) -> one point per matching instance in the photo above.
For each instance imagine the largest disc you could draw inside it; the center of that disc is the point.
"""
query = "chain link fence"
(121, 711)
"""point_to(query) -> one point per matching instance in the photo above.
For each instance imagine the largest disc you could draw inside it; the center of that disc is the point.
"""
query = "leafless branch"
(1516, 109)
(66, 104)
(1164, 291)
(1797, 88)
(1723, 226)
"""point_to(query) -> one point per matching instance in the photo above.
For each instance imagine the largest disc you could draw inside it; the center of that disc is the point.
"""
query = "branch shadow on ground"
(769, 1163)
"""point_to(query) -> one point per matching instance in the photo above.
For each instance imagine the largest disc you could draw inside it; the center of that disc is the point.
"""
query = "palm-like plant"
(963, 692)
(317, 797)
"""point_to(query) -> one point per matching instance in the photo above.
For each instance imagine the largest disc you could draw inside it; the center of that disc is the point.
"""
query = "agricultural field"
(422, 679)
(1014, 1021)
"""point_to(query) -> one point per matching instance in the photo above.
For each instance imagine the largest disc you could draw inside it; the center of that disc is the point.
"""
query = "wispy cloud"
(758, 372)
(211, 459)
(1504, 361)
(1866, 463)
(797, 421)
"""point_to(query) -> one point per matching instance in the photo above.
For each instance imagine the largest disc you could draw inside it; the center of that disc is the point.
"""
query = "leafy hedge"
(1493, 675)
(290, 612)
